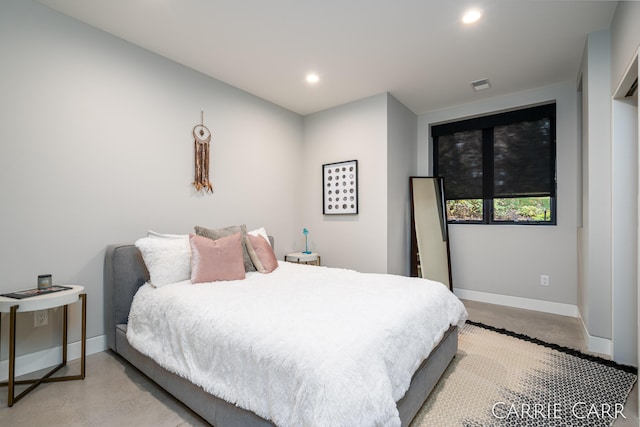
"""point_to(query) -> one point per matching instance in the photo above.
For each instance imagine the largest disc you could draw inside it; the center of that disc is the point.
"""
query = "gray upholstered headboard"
(124, 273)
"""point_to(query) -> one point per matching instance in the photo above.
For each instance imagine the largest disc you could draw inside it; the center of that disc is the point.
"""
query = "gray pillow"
(216, 233)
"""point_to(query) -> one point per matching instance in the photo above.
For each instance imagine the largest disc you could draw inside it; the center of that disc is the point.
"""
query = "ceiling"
(417, 50)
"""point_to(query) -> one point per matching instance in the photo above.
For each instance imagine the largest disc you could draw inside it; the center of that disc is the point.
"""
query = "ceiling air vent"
(481, 84)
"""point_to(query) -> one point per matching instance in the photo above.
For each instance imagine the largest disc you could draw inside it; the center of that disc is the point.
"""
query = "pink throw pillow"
(266, 260)
(216, 260)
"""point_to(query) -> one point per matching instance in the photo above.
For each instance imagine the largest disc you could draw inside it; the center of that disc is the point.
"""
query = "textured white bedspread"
(302, 346)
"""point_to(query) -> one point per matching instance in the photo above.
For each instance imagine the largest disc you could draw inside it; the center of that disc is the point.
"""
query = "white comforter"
(302, 346)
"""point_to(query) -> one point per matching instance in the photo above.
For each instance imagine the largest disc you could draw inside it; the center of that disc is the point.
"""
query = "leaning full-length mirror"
(429, 233)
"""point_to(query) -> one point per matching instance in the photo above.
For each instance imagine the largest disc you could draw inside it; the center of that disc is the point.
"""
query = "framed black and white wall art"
(340, 188)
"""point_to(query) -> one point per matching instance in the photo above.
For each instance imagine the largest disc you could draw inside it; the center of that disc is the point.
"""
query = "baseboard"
(594, 344)
(32, 362)
(597, 344)
(519, 302)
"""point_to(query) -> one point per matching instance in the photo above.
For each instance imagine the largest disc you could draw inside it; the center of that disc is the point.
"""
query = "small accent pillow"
(260, 232)
(261, 254)
(216, 260)
(167, 259)
(215, 234)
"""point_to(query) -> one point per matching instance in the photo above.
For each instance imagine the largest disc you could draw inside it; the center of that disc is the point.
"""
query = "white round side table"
(62, 298)
(302, 258)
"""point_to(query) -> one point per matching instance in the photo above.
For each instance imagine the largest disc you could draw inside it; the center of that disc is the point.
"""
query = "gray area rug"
(500, 378)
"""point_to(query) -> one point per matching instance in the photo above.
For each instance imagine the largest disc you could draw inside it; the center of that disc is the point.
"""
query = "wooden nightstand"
(43, 302)
(302, 258)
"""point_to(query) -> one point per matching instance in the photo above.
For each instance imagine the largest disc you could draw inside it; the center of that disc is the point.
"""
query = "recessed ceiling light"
(312, 78)
(471, 16)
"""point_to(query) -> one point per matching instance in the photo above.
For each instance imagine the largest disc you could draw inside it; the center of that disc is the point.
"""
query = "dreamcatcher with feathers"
(201, 142)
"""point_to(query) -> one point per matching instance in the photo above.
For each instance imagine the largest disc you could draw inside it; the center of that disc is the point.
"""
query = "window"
(499, 168)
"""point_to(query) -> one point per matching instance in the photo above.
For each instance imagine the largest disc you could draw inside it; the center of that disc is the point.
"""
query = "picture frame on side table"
(340, 188)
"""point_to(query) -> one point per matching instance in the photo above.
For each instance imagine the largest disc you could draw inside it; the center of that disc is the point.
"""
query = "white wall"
(357, 130)
(595, 233)
(624, 245)
(402, 163)
(509, 259)
(625, 42)
(625, 39)
(96, 148)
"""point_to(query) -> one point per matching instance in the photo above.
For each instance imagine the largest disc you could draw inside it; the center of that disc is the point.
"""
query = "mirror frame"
(413, 252)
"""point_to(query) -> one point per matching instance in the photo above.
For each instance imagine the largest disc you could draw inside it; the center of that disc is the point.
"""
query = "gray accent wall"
(380, 133)
(357, 130)
(509, 259)
(402, 163)
(96, 147)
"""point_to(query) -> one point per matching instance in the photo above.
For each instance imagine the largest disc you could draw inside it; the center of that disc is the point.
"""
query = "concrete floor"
(116, 394)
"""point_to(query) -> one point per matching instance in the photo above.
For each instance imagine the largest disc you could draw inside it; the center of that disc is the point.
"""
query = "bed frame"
(125, 272)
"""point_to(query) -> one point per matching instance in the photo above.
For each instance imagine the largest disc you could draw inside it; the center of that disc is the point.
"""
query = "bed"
(125, 274)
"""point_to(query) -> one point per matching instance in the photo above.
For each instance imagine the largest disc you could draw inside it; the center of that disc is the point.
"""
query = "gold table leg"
(11, 383)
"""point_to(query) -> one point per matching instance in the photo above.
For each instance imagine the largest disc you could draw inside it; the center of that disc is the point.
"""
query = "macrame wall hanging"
(201, 143)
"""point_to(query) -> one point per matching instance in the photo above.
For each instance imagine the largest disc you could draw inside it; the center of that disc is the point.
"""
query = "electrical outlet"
(544, 280)
(40, 318)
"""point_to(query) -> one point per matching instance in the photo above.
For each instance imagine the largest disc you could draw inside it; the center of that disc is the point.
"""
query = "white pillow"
(167, 259)
(151, 233)
(260, 232)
